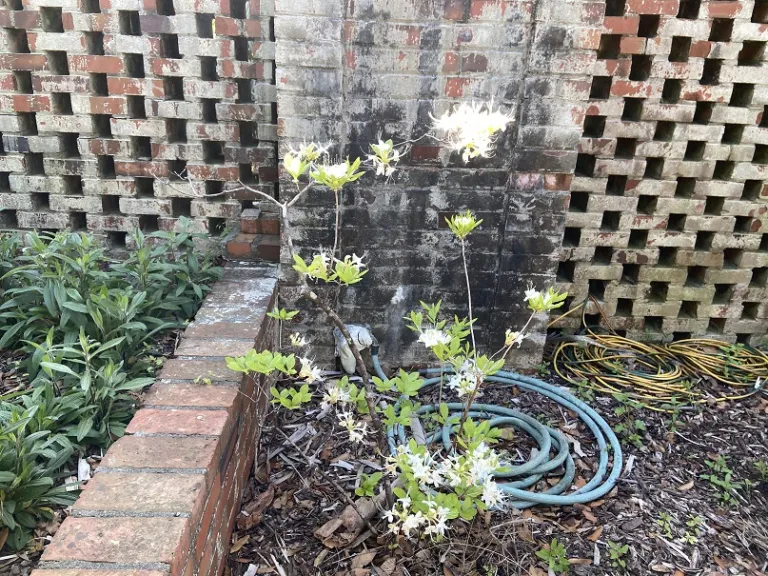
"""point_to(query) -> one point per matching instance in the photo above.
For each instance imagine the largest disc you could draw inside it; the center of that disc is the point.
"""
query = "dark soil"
(288, 500)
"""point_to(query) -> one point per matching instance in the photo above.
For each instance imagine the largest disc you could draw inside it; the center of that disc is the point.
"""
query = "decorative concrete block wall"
(667, 219)
(125, 114)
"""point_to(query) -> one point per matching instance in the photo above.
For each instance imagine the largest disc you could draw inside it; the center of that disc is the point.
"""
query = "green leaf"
(55, 367)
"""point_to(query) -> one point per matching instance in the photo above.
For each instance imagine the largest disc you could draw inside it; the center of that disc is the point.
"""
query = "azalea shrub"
(426, 484)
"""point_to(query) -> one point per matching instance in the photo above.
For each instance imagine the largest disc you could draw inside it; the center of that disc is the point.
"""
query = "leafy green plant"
(368, 484)
(555, 556)
(761, 466)
(617, 553)
(694, 526)
(631, 427)
(722, 481)
(664, 522)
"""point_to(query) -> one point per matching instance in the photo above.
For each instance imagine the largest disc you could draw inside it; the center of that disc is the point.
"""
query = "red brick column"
(165, 497)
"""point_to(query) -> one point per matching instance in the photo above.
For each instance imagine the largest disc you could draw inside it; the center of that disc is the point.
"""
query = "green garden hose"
(516, 479)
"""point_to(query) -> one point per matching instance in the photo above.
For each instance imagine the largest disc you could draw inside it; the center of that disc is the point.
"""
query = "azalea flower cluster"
(472, 129)
(323, 266)
(384, 158)
(466, 380)
(427, 505)
(309, 372)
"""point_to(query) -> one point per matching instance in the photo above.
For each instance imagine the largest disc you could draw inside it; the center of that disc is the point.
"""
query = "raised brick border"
(165, 497)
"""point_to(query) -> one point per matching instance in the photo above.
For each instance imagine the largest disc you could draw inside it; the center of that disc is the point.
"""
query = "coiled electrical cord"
(661, 377)
(519, 477)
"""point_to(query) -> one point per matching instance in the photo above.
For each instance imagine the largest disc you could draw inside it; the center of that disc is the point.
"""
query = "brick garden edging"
(165, 497)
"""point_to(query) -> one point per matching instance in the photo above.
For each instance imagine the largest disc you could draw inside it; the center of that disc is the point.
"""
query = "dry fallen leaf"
(388, 567)
(239, 544)
(595, 536)
(589, 516)
(3, 536)
(362, 560)
(686, 486)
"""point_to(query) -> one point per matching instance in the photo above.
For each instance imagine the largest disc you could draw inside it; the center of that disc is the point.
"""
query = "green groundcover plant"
(425, 486)
(86, 327)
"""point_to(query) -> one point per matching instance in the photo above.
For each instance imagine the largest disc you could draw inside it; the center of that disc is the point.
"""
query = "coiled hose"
(552, 444)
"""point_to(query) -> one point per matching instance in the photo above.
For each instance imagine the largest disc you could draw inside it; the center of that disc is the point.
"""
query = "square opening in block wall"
(177, 169)
(601, 88)
(759, 277)
(128, 22)
(94, 43)
(721, 31)
(704, 240)
(110, 204)
(603, 255)
(609, 48)
(106, 167)
(638, 239)
(723, 293)
(585, 165)
(752, 53)
(181, 207)
(142, 147)
(204, 25)
(565, 271)
(34, 164)
(760, 12)
(594, 126)
(714, 206)
(743, 224)
(62, 103)
(614, 7)
(750, 310)
(732, 134)
(597, 288)
(633, 109)
(102, 125)
(148, 223)
(247, 134)
(169, 44)
(27, 123)
(209, 109)
(134, 65)
(641, 67)
(716, 325)
(630, 273)
(763, 243)
(694, 150)
(173, 86)
(241, 49)
(98, 83)
(761, 154)
(676, 222)
(144, 187)
(688, 309)
(17, 40)
(732, 257)
(610, 221)
(703, 112)
(176, 129)
(213, 152)
(711, 73)
(208, 68)
(572, 237)
(73, 185)
(752, 190)
(696, 275)
(579, 201)
(237, 9)
(245, 173)
(723, 170)
(625, 147)
(616, 185)
(649, 25)
(647, 204)
(681, 46)
(41, 201)
(136, 107)
(763, 117)
(244, 93)
(8, 220)
(214, 188)
(667, 256)
(57, 62)
(69, 147)
(654, 323)
(689, 9)
(624, 307)
(23, 81)
(665, 131)
(165, 7)
(117, 240)
(670, 93)
(678, 336)
(217, 226)
(50, 19)
(741, 95)
(78, 221)
(654, 168)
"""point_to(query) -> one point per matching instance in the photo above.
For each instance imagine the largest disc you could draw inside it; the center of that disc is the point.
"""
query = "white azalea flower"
(432, 337)
(297, 340)
(309, 372)
(512, 338)
(492, 494)
(531, 293)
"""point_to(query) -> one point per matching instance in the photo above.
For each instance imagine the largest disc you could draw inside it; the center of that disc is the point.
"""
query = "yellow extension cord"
(662, 377)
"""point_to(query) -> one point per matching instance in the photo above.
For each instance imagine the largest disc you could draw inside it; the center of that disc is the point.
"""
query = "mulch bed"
(287, 501)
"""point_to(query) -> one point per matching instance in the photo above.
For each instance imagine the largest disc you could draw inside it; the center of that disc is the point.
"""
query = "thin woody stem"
(336, 229)
(469, 298)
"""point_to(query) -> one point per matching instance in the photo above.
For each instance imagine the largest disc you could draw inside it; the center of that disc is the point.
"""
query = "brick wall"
(165, 497)
(666, 224)
(104, 102)
(351, 72)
